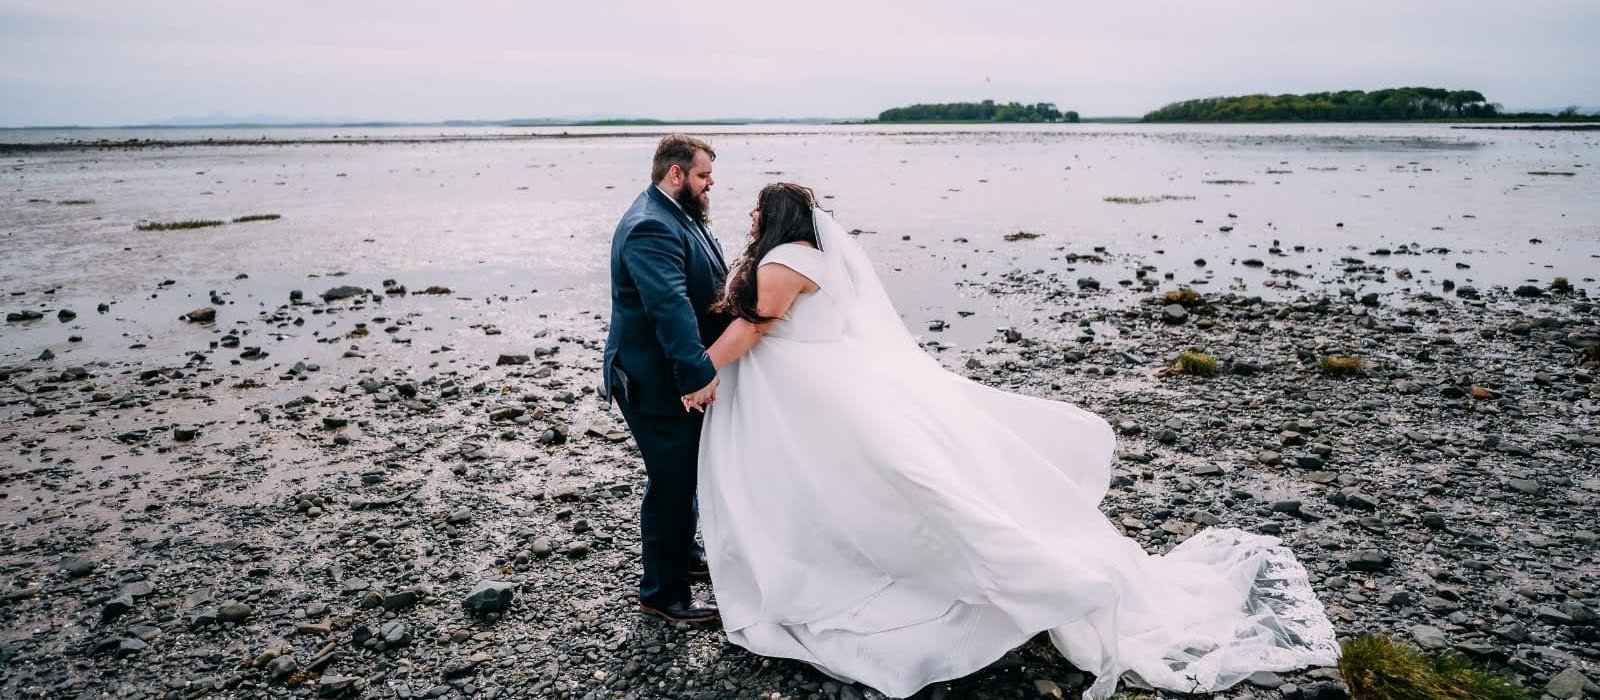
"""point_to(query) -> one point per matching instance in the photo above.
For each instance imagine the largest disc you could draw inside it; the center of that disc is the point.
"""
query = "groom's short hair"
(677, 149)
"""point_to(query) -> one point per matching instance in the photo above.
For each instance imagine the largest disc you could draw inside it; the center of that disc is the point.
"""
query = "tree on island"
(1347, 105)
(985, 111)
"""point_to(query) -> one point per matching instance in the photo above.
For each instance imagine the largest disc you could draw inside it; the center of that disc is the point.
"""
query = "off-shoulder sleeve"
(805, 260)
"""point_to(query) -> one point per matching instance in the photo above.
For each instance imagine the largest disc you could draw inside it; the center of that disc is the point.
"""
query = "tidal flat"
(356, 448)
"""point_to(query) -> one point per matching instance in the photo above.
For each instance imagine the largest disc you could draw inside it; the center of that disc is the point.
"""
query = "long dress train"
(895, 524)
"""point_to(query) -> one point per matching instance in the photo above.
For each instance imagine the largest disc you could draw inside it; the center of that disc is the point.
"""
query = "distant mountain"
(222, 119)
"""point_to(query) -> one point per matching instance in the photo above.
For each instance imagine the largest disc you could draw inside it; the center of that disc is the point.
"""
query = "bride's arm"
(777, 286)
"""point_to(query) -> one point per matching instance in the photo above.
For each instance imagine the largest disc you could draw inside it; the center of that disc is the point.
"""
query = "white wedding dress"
(894, 524)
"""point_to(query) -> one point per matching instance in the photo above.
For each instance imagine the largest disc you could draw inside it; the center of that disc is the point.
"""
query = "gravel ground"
(406, 503)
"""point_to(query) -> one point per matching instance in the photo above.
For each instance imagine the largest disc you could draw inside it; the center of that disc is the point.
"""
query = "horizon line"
(516, 121)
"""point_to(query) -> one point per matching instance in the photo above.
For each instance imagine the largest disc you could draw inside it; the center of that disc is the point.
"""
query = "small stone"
(395, 633)
(512, 360)
(205, 314)
(1047, 690)
(1243, 368)
(337, 293)
(129, 646)
(1290, 507)
(1361, 501)
(117, 606)
(1430, 638)
(1579, 613)
(1311, 462)
(1174, 314)
(1326, 690)
(1370, 560)
(506, 413)
(77, 567)
(554, 435)
(332, 685)
(1567, 684)
(462, 667)
(541, 547)
(1553, 616)
(1265, 679)
(402, 600)
(1532, 488)
(1516, 632)
(1481, 650)
(235, 612)
(282, 669)
(321, 629)
(490, 596)
(202, 617)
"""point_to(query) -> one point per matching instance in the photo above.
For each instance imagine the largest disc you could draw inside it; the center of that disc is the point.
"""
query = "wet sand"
(300, 495)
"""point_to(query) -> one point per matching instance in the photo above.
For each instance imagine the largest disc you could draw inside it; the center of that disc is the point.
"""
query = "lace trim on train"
(1289, 627)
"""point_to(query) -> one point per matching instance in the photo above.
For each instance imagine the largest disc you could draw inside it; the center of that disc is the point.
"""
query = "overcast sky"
(112, 62)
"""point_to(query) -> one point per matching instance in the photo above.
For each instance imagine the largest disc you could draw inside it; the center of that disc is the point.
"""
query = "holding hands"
(702, 398)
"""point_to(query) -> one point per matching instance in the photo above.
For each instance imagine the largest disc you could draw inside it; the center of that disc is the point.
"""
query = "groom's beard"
(690, 203)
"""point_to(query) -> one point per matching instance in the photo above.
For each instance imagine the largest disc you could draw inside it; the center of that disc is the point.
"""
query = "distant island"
(1394, 104)
(985, 111)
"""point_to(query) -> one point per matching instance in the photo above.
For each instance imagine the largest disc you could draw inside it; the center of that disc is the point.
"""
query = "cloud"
(111, 62)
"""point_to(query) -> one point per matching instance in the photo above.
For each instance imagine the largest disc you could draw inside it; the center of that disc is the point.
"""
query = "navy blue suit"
(666, 271)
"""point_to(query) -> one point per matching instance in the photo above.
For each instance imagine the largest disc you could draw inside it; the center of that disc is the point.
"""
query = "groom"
(666, 270)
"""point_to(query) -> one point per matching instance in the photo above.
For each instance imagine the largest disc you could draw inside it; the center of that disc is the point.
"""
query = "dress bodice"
(816, 316)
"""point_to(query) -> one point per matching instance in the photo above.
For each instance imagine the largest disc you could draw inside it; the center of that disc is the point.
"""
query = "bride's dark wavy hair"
(785, 217)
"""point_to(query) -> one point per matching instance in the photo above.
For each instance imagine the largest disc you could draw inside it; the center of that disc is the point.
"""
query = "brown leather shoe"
(688, 611)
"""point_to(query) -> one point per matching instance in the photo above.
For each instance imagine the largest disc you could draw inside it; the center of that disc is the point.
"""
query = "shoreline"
(365, 135)
(324, 512)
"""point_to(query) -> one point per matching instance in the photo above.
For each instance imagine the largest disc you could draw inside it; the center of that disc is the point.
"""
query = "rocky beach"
(234, 465)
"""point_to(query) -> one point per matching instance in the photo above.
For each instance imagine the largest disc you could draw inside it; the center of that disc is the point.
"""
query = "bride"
(894, 524)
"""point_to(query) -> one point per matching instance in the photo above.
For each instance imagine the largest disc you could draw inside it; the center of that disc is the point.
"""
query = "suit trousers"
(671, 449)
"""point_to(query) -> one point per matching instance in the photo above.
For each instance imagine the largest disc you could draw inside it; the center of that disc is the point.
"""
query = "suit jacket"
(665, 273)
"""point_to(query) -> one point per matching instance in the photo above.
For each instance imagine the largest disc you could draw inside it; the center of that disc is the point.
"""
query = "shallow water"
(529, 212)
